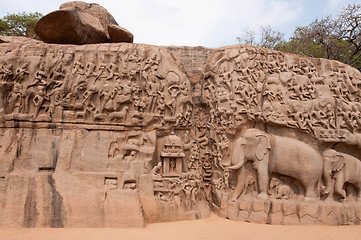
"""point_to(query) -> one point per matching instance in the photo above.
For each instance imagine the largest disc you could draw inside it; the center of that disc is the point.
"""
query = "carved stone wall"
(120, 135)
(81, 132)
(193, 59)
(287, 131)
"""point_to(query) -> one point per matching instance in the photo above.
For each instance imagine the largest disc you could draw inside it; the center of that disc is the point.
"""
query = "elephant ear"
(263, 146)
(339, 163)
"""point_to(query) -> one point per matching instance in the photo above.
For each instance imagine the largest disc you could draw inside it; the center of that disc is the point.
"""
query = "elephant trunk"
(237, 158)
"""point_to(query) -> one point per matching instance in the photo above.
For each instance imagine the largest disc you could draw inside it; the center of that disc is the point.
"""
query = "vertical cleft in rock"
(56, 218)
(30, 210)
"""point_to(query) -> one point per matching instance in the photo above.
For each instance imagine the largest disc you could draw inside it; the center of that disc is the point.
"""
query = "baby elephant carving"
(279, 191)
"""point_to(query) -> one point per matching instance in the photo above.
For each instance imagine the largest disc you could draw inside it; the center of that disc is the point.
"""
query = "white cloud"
(335, 6)
(212, 23)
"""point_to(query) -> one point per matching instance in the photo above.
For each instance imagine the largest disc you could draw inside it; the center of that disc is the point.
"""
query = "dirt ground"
(213, 227)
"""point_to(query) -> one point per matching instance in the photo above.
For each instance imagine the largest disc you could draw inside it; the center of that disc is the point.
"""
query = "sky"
(209, 23)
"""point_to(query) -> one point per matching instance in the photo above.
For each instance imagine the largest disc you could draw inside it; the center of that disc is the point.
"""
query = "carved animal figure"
(275, 154)
(343, 168)
(99, 117)
(119, 115)
(280, 191)
(249, 185)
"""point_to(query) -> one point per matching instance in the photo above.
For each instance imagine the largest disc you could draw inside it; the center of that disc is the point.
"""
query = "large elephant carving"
(338, 169)
(275, 154)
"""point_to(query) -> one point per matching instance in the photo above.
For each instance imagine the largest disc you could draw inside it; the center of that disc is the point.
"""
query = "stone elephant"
(275, 154)
(342, 168)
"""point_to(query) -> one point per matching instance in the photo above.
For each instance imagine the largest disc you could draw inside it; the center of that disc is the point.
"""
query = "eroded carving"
(252, 143)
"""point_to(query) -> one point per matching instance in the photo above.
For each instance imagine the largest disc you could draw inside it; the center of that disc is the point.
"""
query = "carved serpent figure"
(202, 137)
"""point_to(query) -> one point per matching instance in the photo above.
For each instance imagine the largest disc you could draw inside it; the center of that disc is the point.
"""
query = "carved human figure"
(318, 117)
(58, 73)
(40, 77)
(8, 73)
(152, 89)
(38, 101)
(247, 95)
(21, 73)
(14, 99)
(330, 115)
(90, 69)
(101, 70)
(161, 105)
(174, 91)
(275, 154)
(193, 163)
(107, 95)
(187, 190)
(78, 67)
(113, 72)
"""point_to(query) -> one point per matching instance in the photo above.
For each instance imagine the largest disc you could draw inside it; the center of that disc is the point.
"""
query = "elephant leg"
(263, 179)
(338, 187)
(331, 192)
(359, 192)
(240, 185)
(310, 192)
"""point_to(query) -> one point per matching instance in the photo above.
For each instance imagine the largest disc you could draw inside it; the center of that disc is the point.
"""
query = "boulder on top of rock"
(70, 26)
(79, 22)
(119, 34)
(93, 9)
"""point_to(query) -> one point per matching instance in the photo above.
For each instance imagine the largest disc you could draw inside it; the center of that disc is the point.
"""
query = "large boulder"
(78, 22)
(93, 9)
(70, 26)
(119, 34)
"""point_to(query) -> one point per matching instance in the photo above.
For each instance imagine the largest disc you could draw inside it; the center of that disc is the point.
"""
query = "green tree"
(19, 24)
(337, 38)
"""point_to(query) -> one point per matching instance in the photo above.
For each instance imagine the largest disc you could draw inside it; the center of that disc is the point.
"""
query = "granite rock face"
(70, 26)
(105, 18)
(121, 135)
(119, 34)
(78, 22)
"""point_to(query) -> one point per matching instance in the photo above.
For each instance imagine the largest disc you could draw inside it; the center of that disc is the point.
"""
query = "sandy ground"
(207, 229)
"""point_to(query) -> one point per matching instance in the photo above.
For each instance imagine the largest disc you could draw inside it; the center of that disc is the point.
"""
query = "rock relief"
(260, 136)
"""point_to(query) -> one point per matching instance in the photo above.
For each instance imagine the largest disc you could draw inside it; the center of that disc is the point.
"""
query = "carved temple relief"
(274, 121)
(118, 84)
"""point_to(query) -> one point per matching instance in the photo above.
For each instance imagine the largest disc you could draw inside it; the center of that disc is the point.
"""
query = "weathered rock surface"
(78, 22)
(105, 18)
(119, 34)
(16, 39)
(70, 26)
(120, 135)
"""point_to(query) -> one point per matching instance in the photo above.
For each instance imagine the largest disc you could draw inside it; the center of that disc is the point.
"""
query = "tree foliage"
(19, 24)
(269, 38)
(337, 38)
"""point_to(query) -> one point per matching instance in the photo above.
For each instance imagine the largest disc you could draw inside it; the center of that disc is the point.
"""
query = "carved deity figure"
(21, 73)
(40, 77)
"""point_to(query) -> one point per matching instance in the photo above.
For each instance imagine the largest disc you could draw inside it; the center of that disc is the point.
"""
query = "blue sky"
(209, 23)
